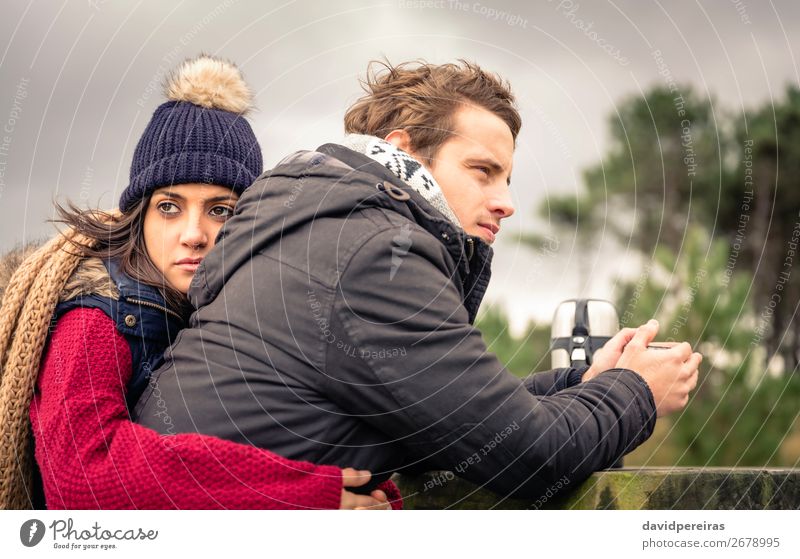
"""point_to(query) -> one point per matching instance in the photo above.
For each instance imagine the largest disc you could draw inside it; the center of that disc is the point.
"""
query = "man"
(334, 318)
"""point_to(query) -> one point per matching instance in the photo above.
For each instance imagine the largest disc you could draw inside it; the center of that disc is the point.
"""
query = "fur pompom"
(210, 82)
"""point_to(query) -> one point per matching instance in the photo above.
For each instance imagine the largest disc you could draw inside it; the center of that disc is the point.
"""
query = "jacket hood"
(90, 278)
(332, 181)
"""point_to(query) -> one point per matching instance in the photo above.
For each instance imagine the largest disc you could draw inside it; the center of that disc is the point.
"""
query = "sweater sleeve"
(92, 456)
(392, 493)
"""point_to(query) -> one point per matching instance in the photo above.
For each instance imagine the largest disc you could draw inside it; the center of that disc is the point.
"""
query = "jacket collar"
(472, 255)
(128, 287)
(331, 182)
(135, 294)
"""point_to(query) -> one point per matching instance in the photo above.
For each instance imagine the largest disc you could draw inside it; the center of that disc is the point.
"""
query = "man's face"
(473, 168)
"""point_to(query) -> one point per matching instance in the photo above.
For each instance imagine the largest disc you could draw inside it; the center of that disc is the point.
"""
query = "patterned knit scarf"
(29, 300)
(404, 167)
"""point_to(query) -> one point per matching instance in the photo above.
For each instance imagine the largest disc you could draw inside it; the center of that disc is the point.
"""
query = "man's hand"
(607, 356)
(377, 500)
(671, 373)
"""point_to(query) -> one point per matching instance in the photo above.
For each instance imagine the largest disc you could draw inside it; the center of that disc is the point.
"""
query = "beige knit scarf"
(28, 305)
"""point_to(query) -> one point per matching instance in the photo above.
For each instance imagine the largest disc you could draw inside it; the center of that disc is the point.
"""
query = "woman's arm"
(92, 456)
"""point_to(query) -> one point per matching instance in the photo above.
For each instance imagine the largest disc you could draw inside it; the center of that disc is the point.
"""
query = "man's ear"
(399, 139)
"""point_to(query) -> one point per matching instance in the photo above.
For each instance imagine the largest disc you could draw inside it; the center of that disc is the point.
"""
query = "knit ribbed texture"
(28, 304)
(92, 456)
(185, 143)
(404, 167)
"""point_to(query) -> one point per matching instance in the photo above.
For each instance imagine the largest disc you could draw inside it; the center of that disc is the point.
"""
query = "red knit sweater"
(92, 456)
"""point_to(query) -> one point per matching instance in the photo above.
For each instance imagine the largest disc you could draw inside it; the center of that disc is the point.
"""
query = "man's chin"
(484, 233)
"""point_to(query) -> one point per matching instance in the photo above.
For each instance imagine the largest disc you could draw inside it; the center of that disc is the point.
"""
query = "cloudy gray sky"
(80, 79)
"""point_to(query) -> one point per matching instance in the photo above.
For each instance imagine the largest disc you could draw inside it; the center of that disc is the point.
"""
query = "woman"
(124, 303)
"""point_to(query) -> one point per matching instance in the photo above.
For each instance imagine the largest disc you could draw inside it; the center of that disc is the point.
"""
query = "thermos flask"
(581, 327)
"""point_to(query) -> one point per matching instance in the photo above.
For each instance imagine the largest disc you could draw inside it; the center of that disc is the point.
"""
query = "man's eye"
(484, 170)
(168, 208)
(221, 211)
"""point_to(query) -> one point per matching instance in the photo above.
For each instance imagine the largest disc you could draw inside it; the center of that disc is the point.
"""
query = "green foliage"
(739, 422)
(768, 167)
(692, 293)
(676, 162)
(522, 355)
(711, 200)
(738, 415)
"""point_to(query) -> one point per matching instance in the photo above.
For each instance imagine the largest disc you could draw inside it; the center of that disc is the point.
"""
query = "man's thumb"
(645, 334)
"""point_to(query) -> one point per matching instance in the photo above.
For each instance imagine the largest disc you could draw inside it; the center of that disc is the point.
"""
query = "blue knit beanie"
(199, 136)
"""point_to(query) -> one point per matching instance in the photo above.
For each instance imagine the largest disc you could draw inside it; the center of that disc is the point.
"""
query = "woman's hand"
(376, 500)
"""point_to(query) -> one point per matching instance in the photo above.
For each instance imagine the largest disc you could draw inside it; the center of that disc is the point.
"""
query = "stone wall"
(625, 488)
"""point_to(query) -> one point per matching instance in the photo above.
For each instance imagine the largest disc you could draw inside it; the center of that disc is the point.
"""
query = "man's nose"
(500, 202)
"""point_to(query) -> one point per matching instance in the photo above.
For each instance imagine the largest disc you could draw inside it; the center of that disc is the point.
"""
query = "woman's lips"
(189, 264)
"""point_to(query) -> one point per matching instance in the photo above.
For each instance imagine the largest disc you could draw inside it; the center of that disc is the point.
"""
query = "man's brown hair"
(422, 98)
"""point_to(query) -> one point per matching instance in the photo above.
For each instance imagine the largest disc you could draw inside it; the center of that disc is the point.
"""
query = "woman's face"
(180, 226)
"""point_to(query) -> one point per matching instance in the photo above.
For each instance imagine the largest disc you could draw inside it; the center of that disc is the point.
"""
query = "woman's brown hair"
(422, 98)
(122, 236)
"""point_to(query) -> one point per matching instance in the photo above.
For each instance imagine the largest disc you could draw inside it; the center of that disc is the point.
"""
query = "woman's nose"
(194, 235)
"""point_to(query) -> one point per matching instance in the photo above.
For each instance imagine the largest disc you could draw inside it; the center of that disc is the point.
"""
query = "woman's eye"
(221, 211)
(168, 208)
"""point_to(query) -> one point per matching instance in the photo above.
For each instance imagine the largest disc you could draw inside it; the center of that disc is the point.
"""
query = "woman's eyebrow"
(170, 194)
(221, 198)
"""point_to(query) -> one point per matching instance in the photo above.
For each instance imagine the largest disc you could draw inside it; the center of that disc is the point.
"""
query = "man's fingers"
(355, 478)
(644, 335)
(694, 361)
(621, 339)
(628, 333)
(662, 345)
(692, 365)
(693, 380)
(685, 350)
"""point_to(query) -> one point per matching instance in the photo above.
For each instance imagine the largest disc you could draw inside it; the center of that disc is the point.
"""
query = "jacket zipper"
(154, 306)
(471, 248)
